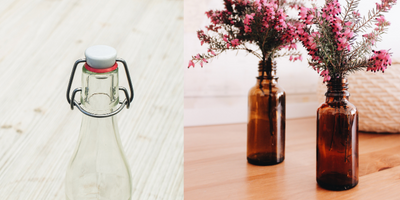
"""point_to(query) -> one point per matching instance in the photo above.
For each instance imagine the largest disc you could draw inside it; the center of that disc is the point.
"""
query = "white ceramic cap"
(100, 56)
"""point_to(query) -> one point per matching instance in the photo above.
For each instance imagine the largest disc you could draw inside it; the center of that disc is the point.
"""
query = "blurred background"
(217, 93)
(39, 42)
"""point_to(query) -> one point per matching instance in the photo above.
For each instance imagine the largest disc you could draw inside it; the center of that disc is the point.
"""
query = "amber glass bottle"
(337, 139)
(266, 118)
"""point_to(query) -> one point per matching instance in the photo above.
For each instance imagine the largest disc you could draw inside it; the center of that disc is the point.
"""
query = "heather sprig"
(244, 23)
(333, 41)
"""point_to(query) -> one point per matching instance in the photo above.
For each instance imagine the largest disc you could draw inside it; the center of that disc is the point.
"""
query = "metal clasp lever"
(126, 102)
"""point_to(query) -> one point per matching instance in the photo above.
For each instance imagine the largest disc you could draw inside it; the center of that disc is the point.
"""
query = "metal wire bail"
(126, 102)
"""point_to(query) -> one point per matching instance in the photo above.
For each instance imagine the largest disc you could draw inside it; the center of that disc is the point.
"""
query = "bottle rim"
(100, 71)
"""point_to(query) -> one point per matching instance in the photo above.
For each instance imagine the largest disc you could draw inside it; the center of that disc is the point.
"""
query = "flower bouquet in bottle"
(261, 28)
(340, 42)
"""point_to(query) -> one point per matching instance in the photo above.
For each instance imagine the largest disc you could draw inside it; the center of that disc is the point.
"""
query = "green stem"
(366, 22)
(347, 11)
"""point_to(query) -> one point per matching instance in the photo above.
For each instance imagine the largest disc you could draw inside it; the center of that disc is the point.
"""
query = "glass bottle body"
(98, 167)
(337, 139)
(266, 122)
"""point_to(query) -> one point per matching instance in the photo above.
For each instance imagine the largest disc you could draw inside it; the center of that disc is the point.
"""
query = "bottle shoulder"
(343, 106)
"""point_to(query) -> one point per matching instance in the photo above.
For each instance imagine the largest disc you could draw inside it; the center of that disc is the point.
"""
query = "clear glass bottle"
(266, 118)
(337, 139)
(98, 168)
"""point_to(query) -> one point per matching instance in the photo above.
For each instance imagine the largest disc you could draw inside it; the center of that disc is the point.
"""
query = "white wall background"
(217, 93)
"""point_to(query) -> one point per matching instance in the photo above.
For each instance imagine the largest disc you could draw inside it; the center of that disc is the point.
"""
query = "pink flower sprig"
(381, 60)
(263, 23)
(330, 36)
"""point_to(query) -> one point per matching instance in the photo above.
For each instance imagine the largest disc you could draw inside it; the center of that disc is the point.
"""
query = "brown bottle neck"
(267, 71)
(337, 90)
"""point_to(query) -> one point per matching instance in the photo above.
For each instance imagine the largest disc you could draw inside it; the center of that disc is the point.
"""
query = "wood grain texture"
(216, 166)
(39, 42)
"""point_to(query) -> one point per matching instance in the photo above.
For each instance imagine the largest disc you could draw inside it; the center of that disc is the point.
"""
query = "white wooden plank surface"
(39, 42)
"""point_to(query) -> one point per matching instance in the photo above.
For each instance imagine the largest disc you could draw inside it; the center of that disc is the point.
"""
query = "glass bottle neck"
(267, 72)
(99, 91)
(337, 90)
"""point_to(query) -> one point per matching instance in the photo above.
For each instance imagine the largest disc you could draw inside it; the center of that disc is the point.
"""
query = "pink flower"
(313, 46)
(327, 78)
(382, 21)
(380, 61)
(293, 46)
(225, 38)
(235, 42)
(212, 52)
(309, 18)
(325, 74)
(198, 56)
(370, 37)
(303, 13)
(248, 18)
(348, 23)
(343, 44)
(191, 63)
(247, 29)
(348, 33)
(386, 5)
(356, 14)
(338, 26)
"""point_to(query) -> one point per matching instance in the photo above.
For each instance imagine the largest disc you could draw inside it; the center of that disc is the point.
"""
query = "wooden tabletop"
(39, 43)
(216, 166)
